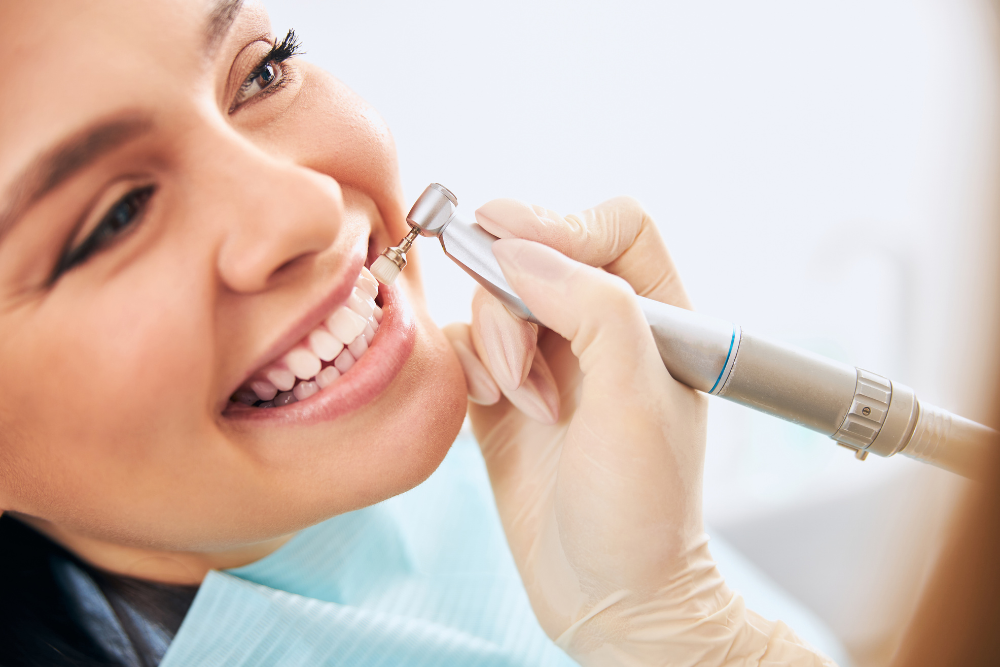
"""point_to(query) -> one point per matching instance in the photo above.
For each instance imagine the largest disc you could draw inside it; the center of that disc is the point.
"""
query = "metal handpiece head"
(431, 213)
(433, 210)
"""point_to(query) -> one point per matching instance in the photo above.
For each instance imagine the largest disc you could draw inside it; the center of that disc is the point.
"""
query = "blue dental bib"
(425, 578)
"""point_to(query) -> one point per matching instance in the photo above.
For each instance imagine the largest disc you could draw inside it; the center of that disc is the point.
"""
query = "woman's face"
(179, 208)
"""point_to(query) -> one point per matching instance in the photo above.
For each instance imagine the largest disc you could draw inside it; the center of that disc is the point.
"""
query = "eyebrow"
(56, 165)
(219, 22)
(67, 158)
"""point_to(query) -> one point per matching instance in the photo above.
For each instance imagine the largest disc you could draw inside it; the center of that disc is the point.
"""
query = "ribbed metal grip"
(867, 412)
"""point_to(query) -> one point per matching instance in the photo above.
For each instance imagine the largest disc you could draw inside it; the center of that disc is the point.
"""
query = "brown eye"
(261, 79)
(270, 74)
(266, 76)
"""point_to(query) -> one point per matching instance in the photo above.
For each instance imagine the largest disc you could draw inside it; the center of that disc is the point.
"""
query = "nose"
(273, 214)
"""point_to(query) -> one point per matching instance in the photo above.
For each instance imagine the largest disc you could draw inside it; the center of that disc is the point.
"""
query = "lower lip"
(364, 382)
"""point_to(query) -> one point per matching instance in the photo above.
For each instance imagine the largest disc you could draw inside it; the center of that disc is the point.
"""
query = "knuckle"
(623, 220)
(615, 295)
(576, 227)
(632, 216)
(630, 210)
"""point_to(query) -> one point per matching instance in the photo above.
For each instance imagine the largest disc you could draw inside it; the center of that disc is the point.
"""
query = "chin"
(424, 413)
(321, 463)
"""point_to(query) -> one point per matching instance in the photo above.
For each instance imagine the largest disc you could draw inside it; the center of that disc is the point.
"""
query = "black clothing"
(57, 611)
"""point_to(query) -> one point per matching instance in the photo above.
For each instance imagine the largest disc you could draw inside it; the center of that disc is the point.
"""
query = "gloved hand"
(595, 453)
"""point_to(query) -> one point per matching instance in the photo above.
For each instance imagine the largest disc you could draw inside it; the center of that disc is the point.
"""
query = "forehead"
(73, 61)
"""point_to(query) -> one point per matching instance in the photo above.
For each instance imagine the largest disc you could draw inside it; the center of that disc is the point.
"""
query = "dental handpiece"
(858, 409)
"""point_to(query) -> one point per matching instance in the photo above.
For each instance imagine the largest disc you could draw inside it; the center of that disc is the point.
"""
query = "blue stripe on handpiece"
(725, 363)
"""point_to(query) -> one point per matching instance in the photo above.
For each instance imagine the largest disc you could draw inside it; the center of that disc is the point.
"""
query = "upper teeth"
(341, 339)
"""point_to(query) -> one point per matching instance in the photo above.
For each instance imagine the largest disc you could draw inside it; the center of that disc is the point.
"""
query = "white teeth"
(300, 373)
(358, 346)
(304, 390)
(345, 324)
(324, 345)
(265, 390)
(367, 282)
(303, 363)
(344, 361)
(327, 376)
(284, 398)
(281, 378)
(361, 303)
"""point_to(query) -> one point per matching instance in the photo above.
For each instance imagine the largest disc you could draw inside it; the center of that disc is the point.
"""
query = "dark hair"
(58, 611)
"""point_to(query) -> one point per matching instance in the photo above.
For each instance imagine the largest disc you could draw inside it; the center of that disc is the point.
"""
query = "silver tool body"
(858, 409)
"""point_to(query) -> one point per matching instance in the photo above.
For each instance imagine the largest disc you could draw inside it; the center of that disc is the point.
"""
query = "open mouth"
(323, 356)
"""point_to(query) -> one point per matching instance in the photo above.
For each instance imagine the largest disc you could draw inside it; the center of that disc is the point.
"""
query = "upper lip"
(318, 312)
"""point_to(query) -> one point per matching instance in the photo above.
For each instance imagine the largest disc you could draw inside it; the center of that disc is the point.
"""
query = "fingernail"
(506, 217)
(539, 262)
(538, 395)
(509, 343)
(481, 387)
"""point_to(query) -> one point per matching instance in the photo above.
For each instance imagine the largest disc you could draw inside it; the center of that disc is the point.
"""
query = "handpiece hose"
(859, 409)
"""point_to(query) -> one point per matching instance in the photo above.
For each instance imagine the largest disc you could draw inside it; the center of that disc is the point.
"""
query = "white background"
(822, 172)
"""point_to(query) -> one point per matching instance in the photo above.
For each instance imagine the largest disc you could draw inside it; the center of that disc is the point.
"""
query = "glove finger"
(598, 313)
(504, 342)
(617, 235)
(482, 389)
(536, 394)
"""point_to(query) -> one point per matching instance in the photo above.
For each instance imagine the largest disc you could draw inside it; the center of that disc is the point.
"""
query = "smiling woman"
(184, 204)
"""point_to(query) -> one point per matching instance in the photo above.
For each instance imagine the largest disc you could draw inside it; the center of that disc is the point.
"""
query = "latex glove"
(595, 453)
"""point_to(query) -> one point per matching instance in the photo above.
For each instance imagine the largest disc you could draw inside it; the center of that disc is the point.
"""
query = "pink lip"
(367, 379)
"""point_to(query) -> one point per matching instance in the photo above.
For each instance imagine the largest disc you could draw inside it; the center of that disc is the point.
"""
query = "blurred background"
(824, 174)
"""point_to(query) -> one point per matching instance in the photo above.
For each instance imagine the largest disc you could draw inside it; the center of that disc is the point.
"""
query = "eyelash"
(122, 215)
(279, 53)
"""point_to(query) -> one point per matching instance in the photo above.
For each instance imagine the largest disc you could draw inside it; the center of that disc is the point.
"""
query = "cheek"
(101, 371)
(435, 404)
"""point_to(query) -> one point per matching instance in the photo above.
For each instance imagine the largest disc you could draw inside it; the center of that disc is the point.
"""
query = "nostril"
(287, 265)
